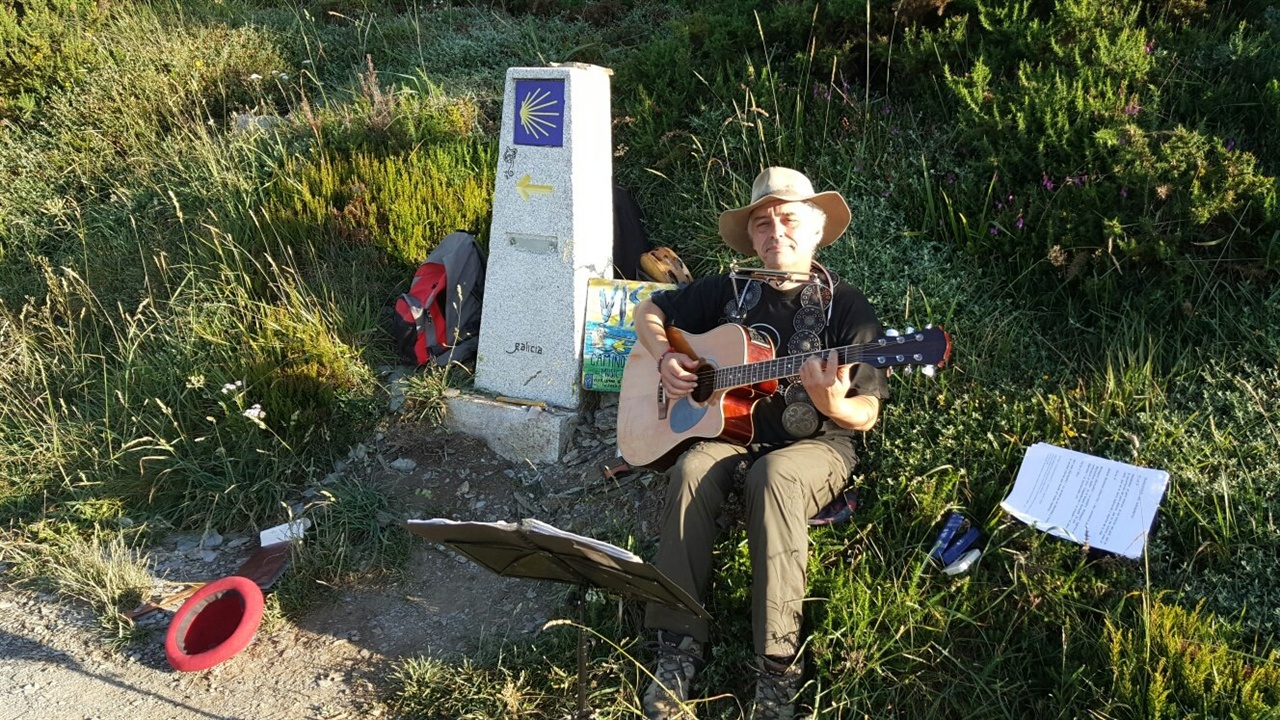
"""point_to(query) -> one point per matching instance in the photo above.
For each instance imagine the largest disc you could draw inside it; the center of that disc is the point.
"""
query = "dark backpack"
(630, 240)
(438, 320)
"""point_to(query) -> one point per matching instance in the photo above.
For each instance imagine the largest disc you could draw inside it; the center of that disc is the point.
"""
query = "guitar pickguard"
(685, 414)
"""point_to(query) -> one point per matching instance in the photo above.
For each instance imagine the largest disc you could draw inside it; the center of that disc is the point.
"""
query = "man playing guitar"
(801, 446)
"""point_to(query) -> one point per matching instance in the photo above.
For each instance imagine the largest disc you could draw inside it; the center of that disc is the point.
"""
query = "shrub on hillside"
(1080, 149)
(44, 45)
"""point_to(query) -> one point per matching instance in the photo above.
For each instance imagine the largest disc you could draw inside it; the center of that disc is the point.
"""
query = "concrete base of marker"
(518, 433)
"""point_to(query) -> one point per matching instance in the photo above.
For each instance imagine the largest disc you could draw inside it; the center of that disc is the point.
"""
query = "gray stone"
(404, 465)
(518, 433)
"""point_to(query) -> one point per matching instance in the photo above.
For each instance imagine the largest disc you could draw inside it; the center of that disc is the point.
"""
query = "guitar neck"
(789, 365)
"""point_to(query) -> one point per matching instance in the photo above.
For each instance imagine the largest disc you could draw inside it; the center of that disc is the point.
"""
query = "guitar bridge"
(662, 402)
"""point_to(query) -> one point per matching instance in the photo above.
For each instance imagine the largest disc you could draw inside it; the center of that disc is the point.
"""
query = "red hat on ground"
(214, 624)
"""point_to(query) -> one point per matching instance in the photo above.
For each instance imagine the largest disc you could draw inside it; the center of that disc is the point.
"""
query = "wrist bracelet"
(663, 357)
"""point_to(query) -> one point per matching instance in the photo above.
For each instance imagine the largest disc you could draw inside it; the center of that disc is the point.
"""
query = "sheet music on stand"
(534, 549)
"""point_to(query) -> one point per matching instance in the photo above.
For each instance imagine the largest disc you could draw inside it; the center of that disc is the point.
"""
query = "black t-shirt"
(711, 301)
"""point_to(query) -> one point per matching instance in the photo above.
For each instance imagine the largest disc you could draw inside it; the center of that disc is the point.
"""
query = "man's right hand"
(676, 371)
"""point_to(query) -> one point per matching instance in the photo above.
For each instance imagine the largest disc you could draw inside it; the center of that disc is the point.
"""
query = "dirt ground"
(55, 662)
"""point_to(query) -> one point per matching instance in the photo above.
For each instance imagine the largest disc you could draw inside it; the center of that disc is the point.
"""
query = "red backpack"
(438, 320)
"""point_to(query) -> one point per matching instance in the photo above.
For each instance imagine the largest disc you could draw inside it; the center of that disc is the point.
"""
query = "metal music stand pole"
(580, 599)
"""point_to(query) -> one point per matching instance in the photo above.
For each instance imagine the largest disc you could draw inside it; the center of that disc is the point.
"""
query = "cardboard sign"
(611, 330)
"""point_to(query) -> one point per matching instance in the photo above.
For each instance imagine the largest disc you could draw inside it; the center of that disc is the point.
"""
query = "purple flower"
(999, 206)
(994, 231)
(1132, 108)
(1019, 222)
(1046, 183)
(884, 194)
(1009, 198)
(1231, 145)
(1151, 45)
(951, 178)
(887, 109)
(1124, 192)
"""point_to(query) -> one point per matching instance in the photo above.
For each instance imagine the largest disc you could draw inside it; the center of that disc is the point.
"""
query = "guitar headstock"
(929, 348)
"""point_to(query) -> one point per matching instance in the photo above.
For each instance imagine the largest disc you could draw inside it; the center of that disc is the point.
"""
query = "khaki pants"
(783, 489)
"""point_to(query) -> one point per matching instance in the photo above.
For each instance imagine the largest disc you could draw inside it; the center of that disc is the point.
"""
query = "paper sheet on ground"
(1097, 502)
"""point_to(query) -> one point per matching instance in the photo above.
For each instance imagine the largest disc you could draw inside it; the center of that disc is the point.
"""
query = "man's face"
(785, 235)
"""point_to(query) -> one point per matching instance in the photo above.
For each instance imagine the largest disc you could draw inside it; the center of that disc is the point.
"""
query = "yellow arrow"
(526, 187)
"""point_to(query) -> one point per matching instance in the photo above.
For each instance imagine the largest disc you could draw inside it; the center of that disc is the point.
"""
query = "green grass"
(163, 271)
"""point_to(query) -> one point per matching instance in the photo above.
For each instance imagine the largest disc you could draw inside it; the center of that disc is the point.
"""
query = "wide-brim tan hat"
(786, 185)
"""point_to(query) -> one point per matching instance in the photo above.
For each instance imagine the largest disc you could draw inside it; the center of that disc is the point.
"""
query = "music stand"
(535, 549)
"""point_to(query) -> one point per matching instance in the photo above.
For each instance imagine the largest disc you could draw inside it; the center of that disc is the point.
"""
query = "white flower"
(255, 76)
(255, 413)
(229, 388)
(284, 76)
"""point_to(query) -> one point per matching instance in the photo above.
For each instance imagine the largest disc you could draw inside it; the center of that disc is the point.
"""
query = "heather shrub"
(1079, 152)
(45, 45)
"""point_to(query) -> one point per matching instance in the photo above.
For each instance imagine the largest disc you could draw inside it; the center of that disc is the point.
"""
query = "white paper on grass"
(1090, 500)
(286, 532)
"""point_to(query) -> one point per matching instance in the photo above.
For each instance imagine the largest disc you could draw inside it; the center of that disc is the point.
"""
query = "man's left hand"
(826, 381)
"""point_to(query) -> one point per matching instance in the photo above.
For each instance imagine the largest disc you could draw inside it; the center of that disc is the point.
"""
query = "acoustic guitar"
(736, 369)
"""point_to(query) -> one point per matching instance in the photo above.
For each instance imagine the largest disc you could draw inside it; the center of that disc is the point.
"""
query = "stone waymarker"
(552, 232)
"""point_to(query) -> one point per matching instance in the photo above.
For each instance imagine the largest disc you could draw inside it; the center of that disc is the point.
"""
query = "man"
(803, 448)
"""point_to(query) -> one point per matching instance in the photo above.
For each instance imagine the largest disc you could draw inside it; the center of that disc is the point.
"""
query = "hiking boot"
(679, 659)
(777, 684)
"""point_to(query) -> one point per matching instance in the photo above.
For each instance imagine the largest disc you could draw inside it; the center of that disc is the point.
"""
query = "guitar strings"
(852, 353)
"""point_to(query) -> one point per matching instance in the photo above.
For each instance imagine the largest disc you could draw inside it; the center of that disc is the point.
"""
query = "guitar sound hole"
(706, 384)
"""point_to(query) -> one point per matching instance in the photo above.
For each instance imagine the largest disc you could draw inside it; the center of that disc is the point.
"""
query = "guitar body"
(652, 433)
(737, 368)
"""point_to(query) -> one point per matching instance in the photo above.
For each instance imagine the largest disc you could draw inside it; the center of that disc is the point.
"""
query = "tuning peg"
(929, 371)
(891, 333)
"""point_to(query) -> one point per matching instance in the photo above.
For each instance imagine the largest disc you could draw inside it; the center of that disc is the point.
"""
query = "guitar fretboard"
(883, 352)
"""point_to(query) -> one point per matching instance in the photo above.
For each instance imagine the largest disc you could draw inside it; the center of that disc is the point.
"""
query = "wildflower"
(1231, 145)
(994, 231)
(284, 76)
(229, 388)
(1057, 256)
(887, 109)
(195, 381)
(1132, 108)
(1149, 46)
(255, 413)
(255, 76)
(951, 178)
(1046, 183)
(1019, 223)
(1124, 192)
(884, 194)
